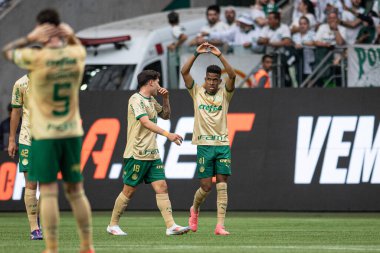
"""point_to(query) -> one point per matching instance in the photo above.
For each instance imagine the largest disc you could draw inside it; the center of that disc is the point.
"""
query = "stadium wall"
(292, 150)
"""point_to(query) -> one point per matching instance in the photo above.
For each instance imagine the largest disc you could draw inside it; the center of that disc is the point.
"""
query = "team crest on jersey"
(134, 176)
(202, 169)
(25, 162)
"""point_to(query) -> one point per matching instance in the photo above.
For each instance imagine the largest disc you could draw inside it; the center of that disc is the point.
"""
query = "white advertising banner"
(363, 66)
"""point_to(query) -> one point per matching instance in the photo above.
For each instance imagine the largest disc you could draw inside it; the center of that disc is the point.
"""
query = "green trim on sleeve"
(141, 115)
(16, 106)
(192, 85)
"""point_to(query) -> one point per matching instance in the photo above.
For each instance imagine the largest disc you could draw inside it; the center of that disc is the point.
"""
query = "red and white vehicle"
(118, 51)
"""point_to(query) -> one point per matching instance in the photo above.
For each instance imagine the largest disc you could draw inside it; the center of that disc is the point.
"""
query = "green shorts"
(24, 158)
(53, 155)
(212, 160)
(135, 171)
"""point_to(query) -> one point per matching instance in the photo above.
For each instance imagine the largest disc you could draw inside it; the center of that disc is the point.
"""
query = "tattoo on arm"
(7, 49)
(165, 113)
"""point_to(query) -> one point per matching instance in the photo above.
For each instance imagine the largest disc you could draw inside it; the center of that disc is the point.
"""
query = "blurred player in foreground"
(56, 72)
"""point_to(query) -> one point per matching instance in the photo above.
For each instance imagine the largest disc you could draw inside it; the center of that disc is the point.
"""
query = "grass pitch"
(250, 232)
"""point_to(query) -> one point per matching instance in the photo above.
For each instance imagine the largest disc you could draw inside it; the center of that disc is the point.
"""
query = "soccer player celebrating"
(141, 158)
(19, 98)
(56, 72)
(210, 133)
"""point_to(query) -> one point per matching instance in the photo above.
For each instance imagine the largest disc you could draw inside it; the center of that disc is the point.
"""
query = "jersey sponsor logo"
(76, 167)
(225, 160)
(63, 75)
(150, 152)
(344, 149)
(17, 95)
(61, 62)
(213, 137)
(62, 127)
(210, 108)
(99, 146)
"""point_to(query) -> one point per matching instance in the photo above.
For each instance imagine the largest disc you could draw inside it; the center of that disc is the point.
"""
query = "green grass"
(250, 232)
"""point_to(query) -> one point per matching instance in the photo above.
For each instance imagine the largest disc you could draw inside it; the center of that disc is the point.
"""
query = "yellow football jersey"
(141, 142)
(55, 76)
(20, 95)
(210, 116)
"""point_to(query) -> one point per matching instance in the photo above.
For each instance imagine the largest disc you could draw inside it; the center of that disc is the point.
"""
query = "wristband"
(165, 133)
(219, 55)
(196, 54)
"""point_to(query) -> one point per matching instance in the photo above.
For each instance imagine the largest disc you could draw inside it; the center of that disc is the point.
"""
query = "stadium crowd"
(315, 28)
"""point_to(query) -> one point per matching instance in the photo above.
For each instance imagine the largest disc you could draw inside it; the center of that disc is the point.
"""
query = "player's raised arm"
(185, 71)
(165, 113)
(40, 34)
(230, 83)
(68, 33)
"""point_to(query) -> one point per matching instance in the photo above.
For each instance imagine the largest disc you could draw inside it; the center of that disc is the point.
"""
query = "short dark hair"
(145, 76)
(306, 19)
(309, 6)
(49, 16)
(213, 8)
(265, 56)
(214, 69)
(173, 18)
(276, 14)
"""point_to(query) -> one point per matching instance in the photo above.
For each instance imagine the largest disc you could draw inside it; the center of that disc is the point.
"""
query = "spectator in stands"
(327, 38)
(334, 5)
(214, 25)
(322, 7)
(319, 7)
(230, 16)
(277, 39)
(367, 34)
(5, 127)
(303, 42)
(258, 15)
(275, 35)
(180, 37)
(245, 35)
(262, 79)
(271, 6)
(352, 22)
(178, 31)
(372, 5)
(330, 34)
(306, 9)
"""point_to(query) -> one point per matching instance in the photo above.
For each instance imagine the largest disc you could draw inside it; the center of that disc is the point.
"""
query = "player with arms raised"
(56, 72)
(210, 133)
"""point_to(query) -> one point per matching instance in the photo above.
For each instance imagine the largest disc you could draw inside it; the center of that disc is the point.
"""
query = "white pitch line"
(361, 248)
(136, 247)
